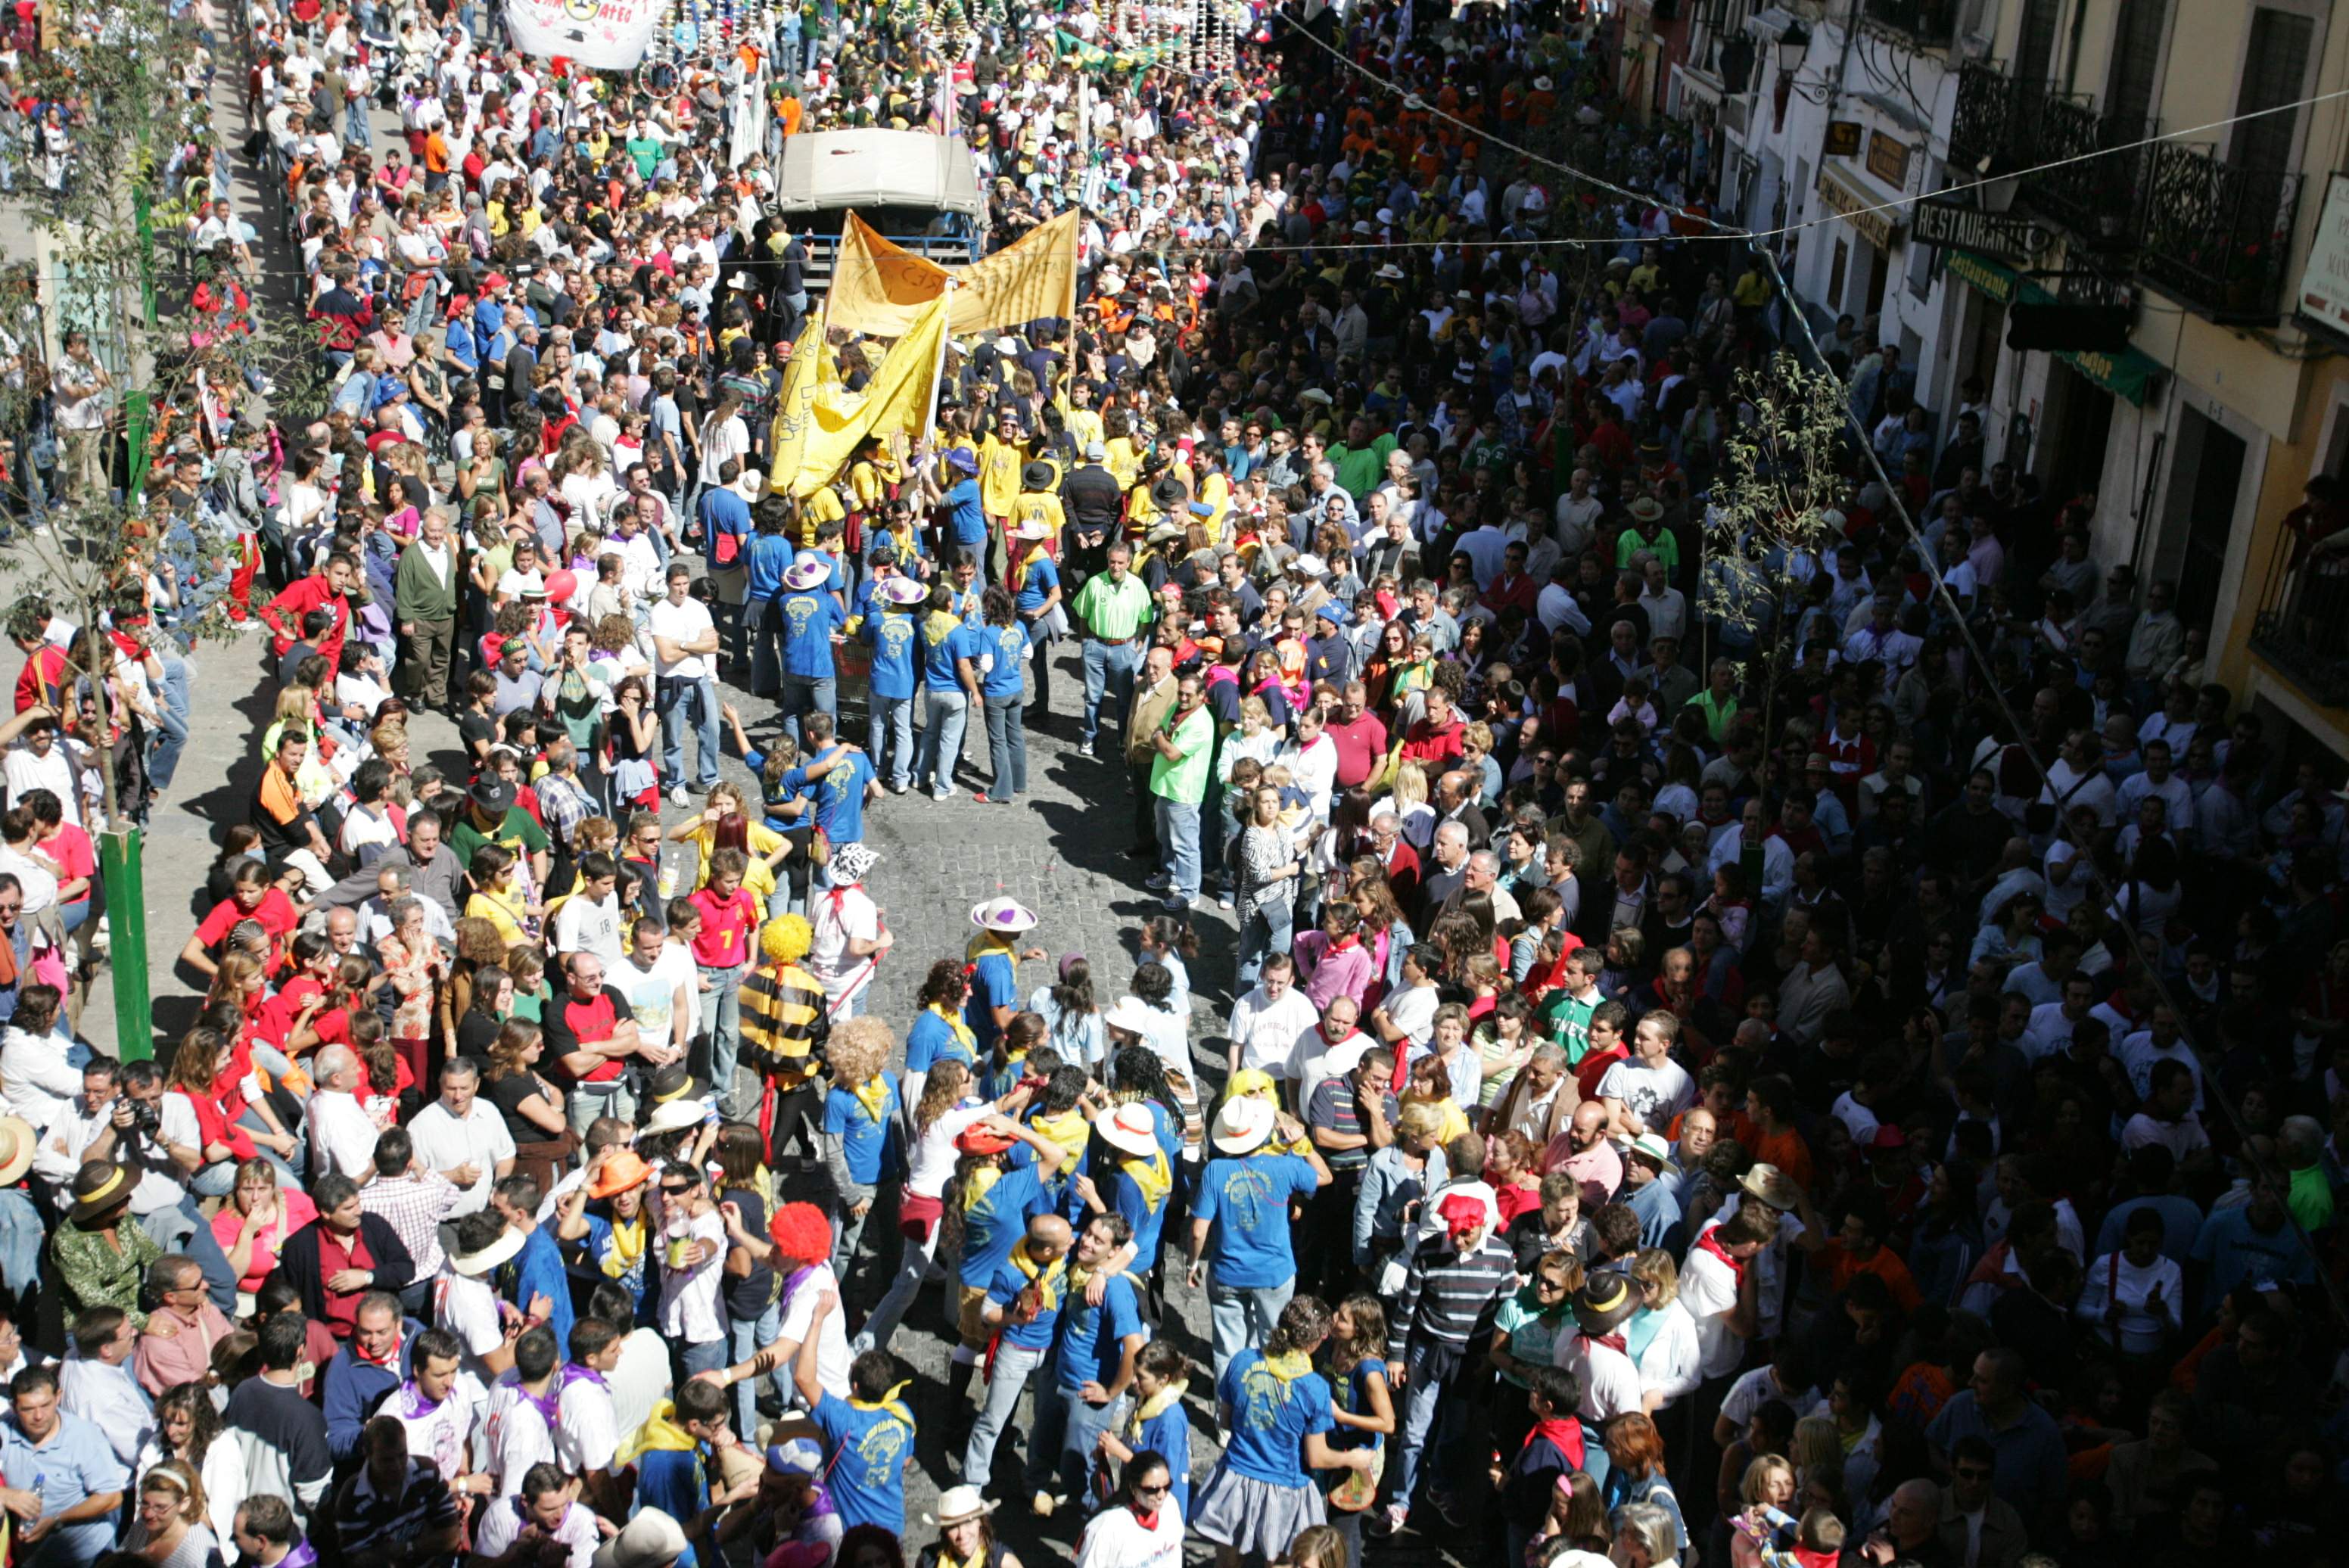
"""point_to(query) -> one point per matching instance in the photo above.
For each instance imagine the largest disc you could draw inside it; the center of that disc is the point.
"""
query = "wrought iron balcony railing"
(2301, 626)
(2027, 124)
(2218, 234)
(1927, 21)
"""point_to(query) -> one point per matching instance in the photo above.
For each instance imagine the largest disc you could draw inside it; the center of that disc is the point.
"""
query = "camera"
(147, 1116)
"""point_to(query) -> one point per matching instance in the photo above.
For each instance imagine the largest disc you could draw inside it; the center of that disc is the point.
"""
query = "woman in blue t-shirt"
(1355, 1361)
(1275, 1410)
(1155, 1423)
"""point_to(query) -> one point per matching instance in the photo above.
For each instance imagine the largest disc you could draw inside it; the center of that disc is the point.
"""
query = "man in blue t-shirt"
(1019, 1310)
(839, 793)
(770, 556)
(725, 516)
(868, 1437)
(1239, 1223)
(892, 631)
(1094, 1350)
(967, 518)
(812, 619)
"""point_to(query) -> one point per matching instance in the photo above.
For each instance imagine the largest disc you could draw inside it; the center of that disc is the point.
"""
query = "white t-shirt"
(682, 623)
(35, 879)
(581, 926)
(468, 1308)
(586, 1428)
(832, 1356)
(1610, 1381)
(1655, 1095)
(516, 1436)
(840, 915)
(1708, 1291)
(689, 1307)
(933, 1158)
(640, 1380)
(342, 1136)
(652, 994)
(1412, 1009)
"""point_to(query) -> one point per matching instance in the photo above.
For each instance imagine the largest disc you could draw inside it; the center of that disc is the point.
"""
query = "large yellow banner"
(819, 422)
(880, 288)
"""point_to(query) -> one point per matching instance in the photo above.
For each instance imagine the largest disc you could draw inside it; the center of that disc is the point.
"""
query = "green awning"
(2131, 373)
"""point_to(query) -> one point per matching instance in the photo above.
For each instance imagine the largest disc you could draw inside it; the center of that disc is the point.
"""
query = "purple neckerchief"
(414, 1406)
(302, 1554)
(574, 1372)
(791, 1285)
(546, 1403)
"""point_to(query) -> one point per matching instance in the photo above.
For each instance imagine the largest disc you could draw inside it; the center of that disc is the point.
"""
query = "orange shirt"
(436, 153)
(1787, 1151)
(1841, 1267)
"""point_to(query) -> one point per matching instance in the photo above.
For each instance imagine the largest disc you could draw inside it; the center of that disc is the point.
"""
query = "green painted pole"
(138, 420)
(124, 877)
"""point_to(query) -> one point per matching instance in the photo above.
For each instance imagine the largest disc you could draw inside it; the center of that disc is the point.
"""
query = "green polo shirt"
(1717, 711)
(1113, 611)
(1185, 782)
(1360, 469)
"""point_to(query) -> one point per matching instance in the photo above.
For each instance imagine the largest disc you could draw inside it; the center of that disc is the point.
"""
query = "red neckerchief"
(1736, 1265)
(1612, 1341)
(359, 1355)
(1147, 1520)
(1564, 1434)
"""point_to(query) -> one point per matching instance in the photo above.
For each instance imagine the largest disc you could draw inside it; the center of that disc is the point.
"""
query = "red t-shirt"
(1361, 747)
(274, 912)
(726, 927)
(571, 1023)
(70, 847)
(1429, 742)
(42, 680)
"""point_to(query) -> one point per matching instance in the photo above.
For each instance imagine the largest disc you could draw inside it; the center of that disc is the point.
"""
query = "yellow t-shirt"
(999, 475)
(758, 876)
(1126, 458)
(501, 910)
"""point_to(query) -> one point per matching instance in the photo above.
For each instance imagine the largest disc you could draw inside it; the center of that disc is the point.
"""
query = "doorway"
(2074, 431)
(2206, 480)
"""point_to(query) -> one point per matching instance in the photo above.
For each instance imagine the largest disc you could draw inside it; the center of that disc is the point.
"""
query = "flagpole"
(938, 367)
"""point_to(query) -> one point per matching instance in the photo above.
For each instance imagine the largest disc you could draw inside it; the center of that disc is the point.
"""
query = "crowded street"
(951, 786)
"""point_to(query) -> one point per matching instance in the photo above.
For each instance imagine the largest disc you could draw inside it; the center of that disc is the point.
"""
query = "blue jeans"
(354, 123)
(1005, 1380)
(1007, 746)
(805, 694)
(1109, 671)
(893, 721)
(171, 733)
(746, 1337)
(1241, 1316)
(1432, 1411)
(709, 1356)
(1265, 933)
(721, 1008)
(1060, 1447)
(694, 702)
(942, 741)
(1178, 846)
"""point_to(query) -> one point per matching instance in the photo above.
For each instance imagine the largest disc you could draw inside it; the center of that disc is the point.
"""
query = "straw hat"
(1771, 1185)
(651, 1540)
(1242, 1125)
(959, 1505)
(1130, 1128)
(18, 1143)
(473, 1265)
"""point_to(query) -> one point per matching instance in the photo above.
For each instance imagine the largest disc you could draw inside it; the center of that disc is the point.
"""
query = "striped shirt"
(782, 1007)
(1445, 1294)
(1113, 612)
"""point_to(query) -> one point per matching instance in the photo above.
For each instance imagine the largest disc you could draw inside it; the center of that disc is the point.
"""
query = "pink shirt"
(295, 1212)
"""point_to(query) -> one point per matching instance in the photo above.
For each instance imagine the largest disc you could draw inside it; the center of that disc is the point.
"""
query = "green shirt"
(1360, 469)
(647, 154)
(1185, 782)
(1717, 711)
(96, 1275)
(1663, 546)
(517, 833)
(1113, 612)
(1568, 1019)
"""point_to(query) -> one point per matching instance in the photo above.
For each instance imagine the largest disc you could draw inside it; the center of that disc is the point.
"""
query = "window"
(2278, 54)
(2137, 63)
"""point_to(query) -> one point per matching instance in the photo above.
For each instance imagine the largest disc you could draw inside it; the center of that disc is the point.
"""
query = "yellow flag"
(880, 288)
(795, 405)
(829, 420)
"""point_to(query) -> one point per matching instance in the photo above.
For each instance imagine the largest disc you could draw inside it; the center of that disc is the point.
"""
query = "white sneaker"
(678, 797)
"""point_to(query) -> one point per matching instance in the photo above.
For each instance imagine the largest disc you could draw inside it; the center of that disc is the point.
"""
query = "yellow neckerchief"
(1028, 564)
(979, 1183)
(889, 1402)
(1151, 1178)
(659, 1434)
(1157, 1405)
(1047, 1279)
(1068, 1128)
(874, 1096)
(1290, 1365)
(627, 1247)
(938, 625)
(987, 944)
(961, 1030)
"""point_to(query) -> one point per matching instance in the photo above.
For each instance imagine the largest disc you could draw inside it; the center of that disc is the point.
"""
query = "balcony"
(2302, 628)
(2217, 234)
(1928, 22)
(2029, 125)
